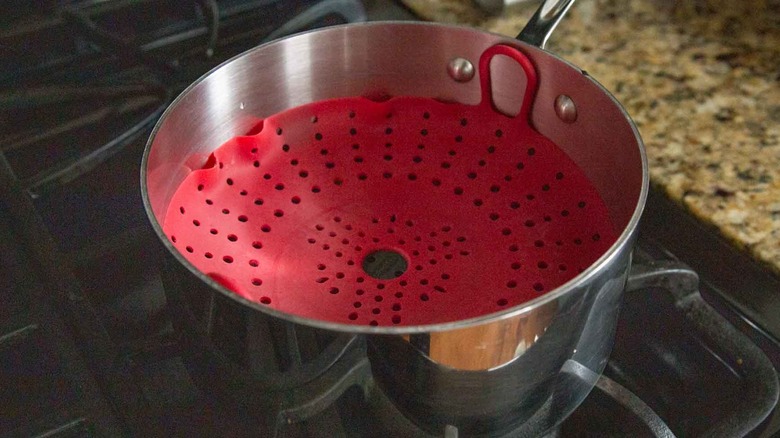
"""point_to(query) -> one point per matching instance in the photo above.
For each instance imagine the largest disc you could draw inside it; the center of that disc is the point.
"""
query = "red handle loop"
(525, 64)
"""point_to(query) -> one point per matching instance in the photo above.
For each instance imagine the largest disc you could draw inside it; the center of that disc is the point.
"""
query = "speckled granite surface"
(701, 78)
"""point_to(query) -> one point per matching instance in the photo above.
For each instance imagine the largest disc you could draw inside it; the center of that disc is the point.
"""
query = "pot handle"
(528, 69)
(543, 22)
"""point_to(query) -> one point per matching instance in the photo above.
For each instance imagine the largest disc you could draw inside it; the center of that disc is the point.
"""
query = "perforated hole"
(385, 264)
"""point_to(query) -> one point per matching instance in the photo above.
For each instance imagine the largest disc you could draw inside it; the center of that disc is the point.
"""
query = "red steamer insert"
(408, 211)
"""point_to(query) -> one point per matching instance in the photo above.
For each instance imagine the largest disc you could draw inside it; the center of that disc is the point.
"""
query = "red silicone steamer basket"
(401, 212)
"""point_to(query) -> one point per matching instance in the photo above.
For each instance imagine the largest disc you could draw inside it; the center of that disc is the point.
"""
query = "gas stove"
(92, 340)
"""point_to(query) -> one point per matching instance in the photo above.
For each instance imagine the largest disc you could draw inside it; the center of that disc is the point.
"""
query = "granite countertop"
(701, 79)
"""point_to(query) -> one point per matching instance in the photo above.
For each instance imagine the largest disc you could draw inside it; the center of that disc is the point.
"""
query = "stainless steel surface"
(477, 370)
(544, 21)
(462, 70)
(565, 108)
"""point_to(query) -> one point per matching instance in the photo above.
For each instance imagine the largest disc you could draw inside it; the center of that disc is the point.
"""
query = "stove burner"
(88, 347)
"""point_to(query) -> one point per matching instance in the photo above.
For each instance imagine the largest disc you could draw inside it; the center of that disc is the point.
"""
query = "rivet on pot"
(565, 108)
(460, 69)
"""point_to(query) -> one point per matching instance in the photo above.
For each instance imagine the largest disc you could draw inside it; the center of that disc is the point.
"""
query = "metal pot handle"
(543, 22)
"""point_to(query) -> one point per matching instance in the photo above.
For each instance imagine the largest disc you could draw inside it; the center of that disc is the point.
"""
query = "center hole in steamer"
(385, 264)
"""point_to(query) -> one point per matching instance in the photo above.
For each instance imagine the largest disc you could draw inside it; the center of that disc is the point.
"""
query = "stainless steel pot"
(483, 375)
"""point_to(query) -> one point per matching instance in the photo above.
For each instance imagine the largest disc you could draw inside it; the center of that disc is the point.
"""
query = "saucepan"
(479, 313)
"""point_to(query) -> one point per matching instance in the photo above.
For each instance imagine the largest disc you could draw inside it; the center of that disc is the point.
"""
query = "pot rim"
(625, 238)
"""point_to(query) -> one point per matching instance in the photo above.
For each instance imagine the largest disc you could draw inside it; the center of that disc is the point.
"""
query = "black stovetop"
(86, 341)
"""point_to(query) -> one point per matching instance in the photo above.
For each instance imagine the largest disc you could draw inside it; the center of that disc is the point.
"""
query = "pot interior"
(380, 61)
